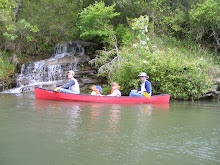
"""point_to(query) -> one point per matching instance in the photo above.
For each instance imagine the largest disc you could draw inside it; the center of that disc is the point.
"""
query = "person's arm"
(68, 84)
(148, 87)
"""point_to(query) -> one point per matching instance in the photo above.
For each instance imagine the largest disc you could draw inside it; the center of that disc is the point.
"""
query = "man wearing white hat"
(145, 86)
(72, 86)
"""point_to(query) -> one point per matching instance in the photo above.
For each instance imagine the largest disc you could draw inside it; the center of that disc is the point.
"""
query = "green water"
(75, 133)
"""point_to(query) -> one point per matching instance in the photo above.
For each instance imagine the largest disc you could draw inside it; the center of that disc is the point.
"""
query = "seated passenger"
(96, 90)
(145, 86)
(71, 86)
(115, 90)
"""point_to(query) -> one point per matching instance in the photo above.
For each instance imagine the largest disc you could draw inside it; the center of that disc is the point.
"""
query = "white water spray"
(50, 71)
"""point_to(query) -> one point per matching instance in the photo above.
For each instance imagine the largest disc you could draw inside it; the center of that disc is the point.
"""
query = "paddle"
(146, 94)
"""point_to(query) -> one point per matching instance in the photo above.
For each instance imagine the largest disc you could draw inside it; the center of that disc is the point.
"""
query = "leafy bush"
(6, 67)
(167, 73)
(171, 69)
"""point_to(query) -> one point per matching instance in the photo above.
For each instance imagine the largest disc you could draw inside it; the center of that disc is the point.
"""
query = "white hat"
(71, 71)
(143, 74)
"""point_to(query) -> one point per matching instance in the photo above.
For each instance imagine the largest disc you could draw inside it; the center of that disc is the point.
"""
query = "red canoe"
(44, 94)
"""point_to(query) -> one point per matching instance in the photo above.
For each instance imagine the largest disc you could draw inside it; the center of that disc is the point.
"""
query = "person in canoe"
(115, 90)
(145, 86)
(72, 86)
(96, 90)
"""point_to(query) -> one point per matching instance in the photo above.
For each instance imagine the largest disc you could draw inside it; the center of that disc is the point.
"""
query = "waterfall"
(50, 71)
(68, 49)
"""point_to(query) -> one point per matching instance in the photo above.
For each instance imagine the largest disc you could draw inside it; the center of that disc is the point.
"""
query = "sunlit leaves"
(14, 28)
(95, 20)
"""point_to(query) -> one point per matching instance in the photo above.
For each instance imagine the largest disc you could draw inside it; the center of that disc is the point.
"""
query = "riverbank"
(172, 68)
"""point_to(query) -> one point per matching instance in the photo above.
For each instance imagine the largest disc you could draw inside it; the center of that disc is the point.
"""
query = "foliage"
(170, 70)
(205, 21)
(95, 20)
(56, 21)
(106, 90)
(123, 34)
(36, 26)
(6, 67)
(180, 62)
(195, 20)
(15, 29)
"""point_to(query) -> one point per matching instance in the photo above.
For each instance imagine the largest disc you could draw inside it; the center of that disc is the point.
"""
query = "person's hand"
(57, 89)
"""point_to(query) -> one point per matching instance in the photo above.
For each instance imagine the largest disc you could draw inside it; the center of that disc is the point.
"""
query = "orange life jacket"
(114, 88)
(97, 92)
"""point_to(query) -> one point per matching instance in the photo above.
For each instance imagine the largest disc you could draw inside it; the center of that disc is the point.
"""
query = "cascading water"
(68, 49)
(50, 71)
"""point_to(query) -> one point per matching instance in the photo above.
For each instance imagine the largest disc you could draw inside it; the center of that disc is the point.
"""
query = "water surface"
(57, 132)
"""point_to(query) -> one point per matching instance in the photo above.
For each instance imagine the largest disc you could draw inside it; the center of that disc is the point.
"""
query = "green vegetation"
(6, 68)
(175, 42)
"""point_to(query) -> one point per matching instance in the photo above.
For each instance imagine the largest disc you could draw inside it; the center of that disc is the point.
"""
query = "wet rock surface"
(52, 72)
(213, 93)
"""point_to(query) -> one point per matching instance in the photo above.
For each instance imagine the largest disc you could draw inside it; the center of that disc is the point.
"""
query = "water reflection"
(112, 130)
(98, 133)
(96, 108)
(114, 117)
(92, 112)
(96, 116)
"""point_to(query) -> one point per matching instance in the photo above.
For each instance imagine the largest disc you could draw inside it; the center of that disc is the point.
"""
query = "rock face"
(52, 72)
(8, 84)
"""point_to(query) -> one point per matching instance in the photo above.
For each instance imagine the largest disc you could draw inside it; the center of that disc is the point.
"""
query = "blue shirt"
(147, 88)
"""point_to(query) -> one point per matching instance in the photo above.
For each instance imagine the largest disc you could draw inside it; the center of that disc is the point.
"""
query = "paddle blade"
(146, 94)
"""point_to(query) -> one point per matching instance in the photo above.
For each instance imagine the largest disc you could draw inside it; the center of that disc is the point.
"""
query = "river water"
(75, 133)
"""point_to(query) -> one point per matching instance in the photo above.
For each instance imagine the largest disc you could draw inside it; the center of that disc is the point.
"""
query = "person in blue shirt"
(145, 86)
(71, 86)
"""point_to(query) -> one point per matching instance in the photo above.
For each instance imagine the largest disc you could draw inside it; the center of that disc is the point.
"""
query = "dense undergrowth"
(181, 68)
(7, 68)
(173, 49)
(184, 72)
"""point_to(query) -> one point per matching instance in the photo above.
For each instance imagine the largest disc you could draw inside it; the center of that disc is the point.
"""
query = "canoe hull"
(44, 94)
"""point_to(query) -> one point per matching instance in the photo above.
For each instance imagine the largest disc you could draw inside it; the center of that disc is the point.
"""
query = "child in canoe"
(115, 90)
(96, 90)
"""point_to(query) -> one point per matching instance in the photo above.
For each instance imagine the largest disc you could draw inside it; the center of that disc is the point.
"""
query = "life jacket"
(114, 88)
(95, 91)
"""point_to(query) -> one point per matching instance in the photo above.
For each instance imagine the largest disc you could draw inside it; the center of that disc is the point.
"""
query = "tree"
(205, 22)
(15, 29)
(56, 21)
(95, 21)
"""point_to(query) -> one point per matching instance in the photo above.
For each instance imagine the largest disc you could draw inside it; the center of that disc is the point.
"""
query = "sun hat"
(71, 71)
(143, 74)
